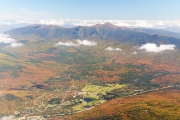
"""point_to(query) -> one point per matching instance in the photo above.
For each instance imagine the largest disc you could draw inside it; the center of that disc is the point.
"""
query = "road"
(142, 92)
(68, 91)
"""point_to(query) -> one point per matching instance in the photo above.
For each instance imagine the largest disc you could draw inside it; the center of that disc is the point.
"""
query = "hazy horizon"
(161, 14)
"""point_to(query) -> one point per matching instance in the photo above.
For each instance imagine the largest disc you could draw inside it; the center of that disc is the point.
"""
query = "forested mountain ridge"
(107, 31)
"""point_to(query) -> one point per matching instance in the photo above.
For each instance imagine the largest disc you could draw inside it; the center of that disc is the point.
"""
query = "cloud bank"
(151, 47)
(79, 42)
(127, 23)
(171, 25)
(4, 38)
(113, 49)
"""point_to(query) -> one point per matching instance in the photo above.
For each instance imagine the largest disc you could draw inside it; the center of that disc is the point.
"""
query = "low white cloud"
(112, 49)
(67, 44)
(151, 47)
(16, 44)
(134, 52)
(7, 117)
(86, 42)
(109, 48)
(79, 42)
(118, 49)
(4, 38)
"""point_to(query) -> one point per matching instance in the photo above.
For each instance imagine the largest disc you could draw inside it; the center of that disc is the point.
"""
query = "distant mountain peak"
(107, 25)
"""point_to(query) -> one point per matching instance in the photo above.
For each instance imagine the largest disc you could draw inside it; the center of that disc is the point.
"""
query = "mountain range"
(107, 31)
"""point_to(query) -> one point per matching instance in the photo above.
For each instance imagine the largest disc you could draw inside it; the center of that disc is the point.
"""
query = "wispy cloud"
(151, 47)
(79, 42)
(113, 49)
(4, 38)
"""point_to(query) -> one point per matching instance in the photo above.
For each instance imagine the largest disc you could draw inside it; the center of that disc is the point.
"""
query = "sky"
(148, 13)
(90, 9)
